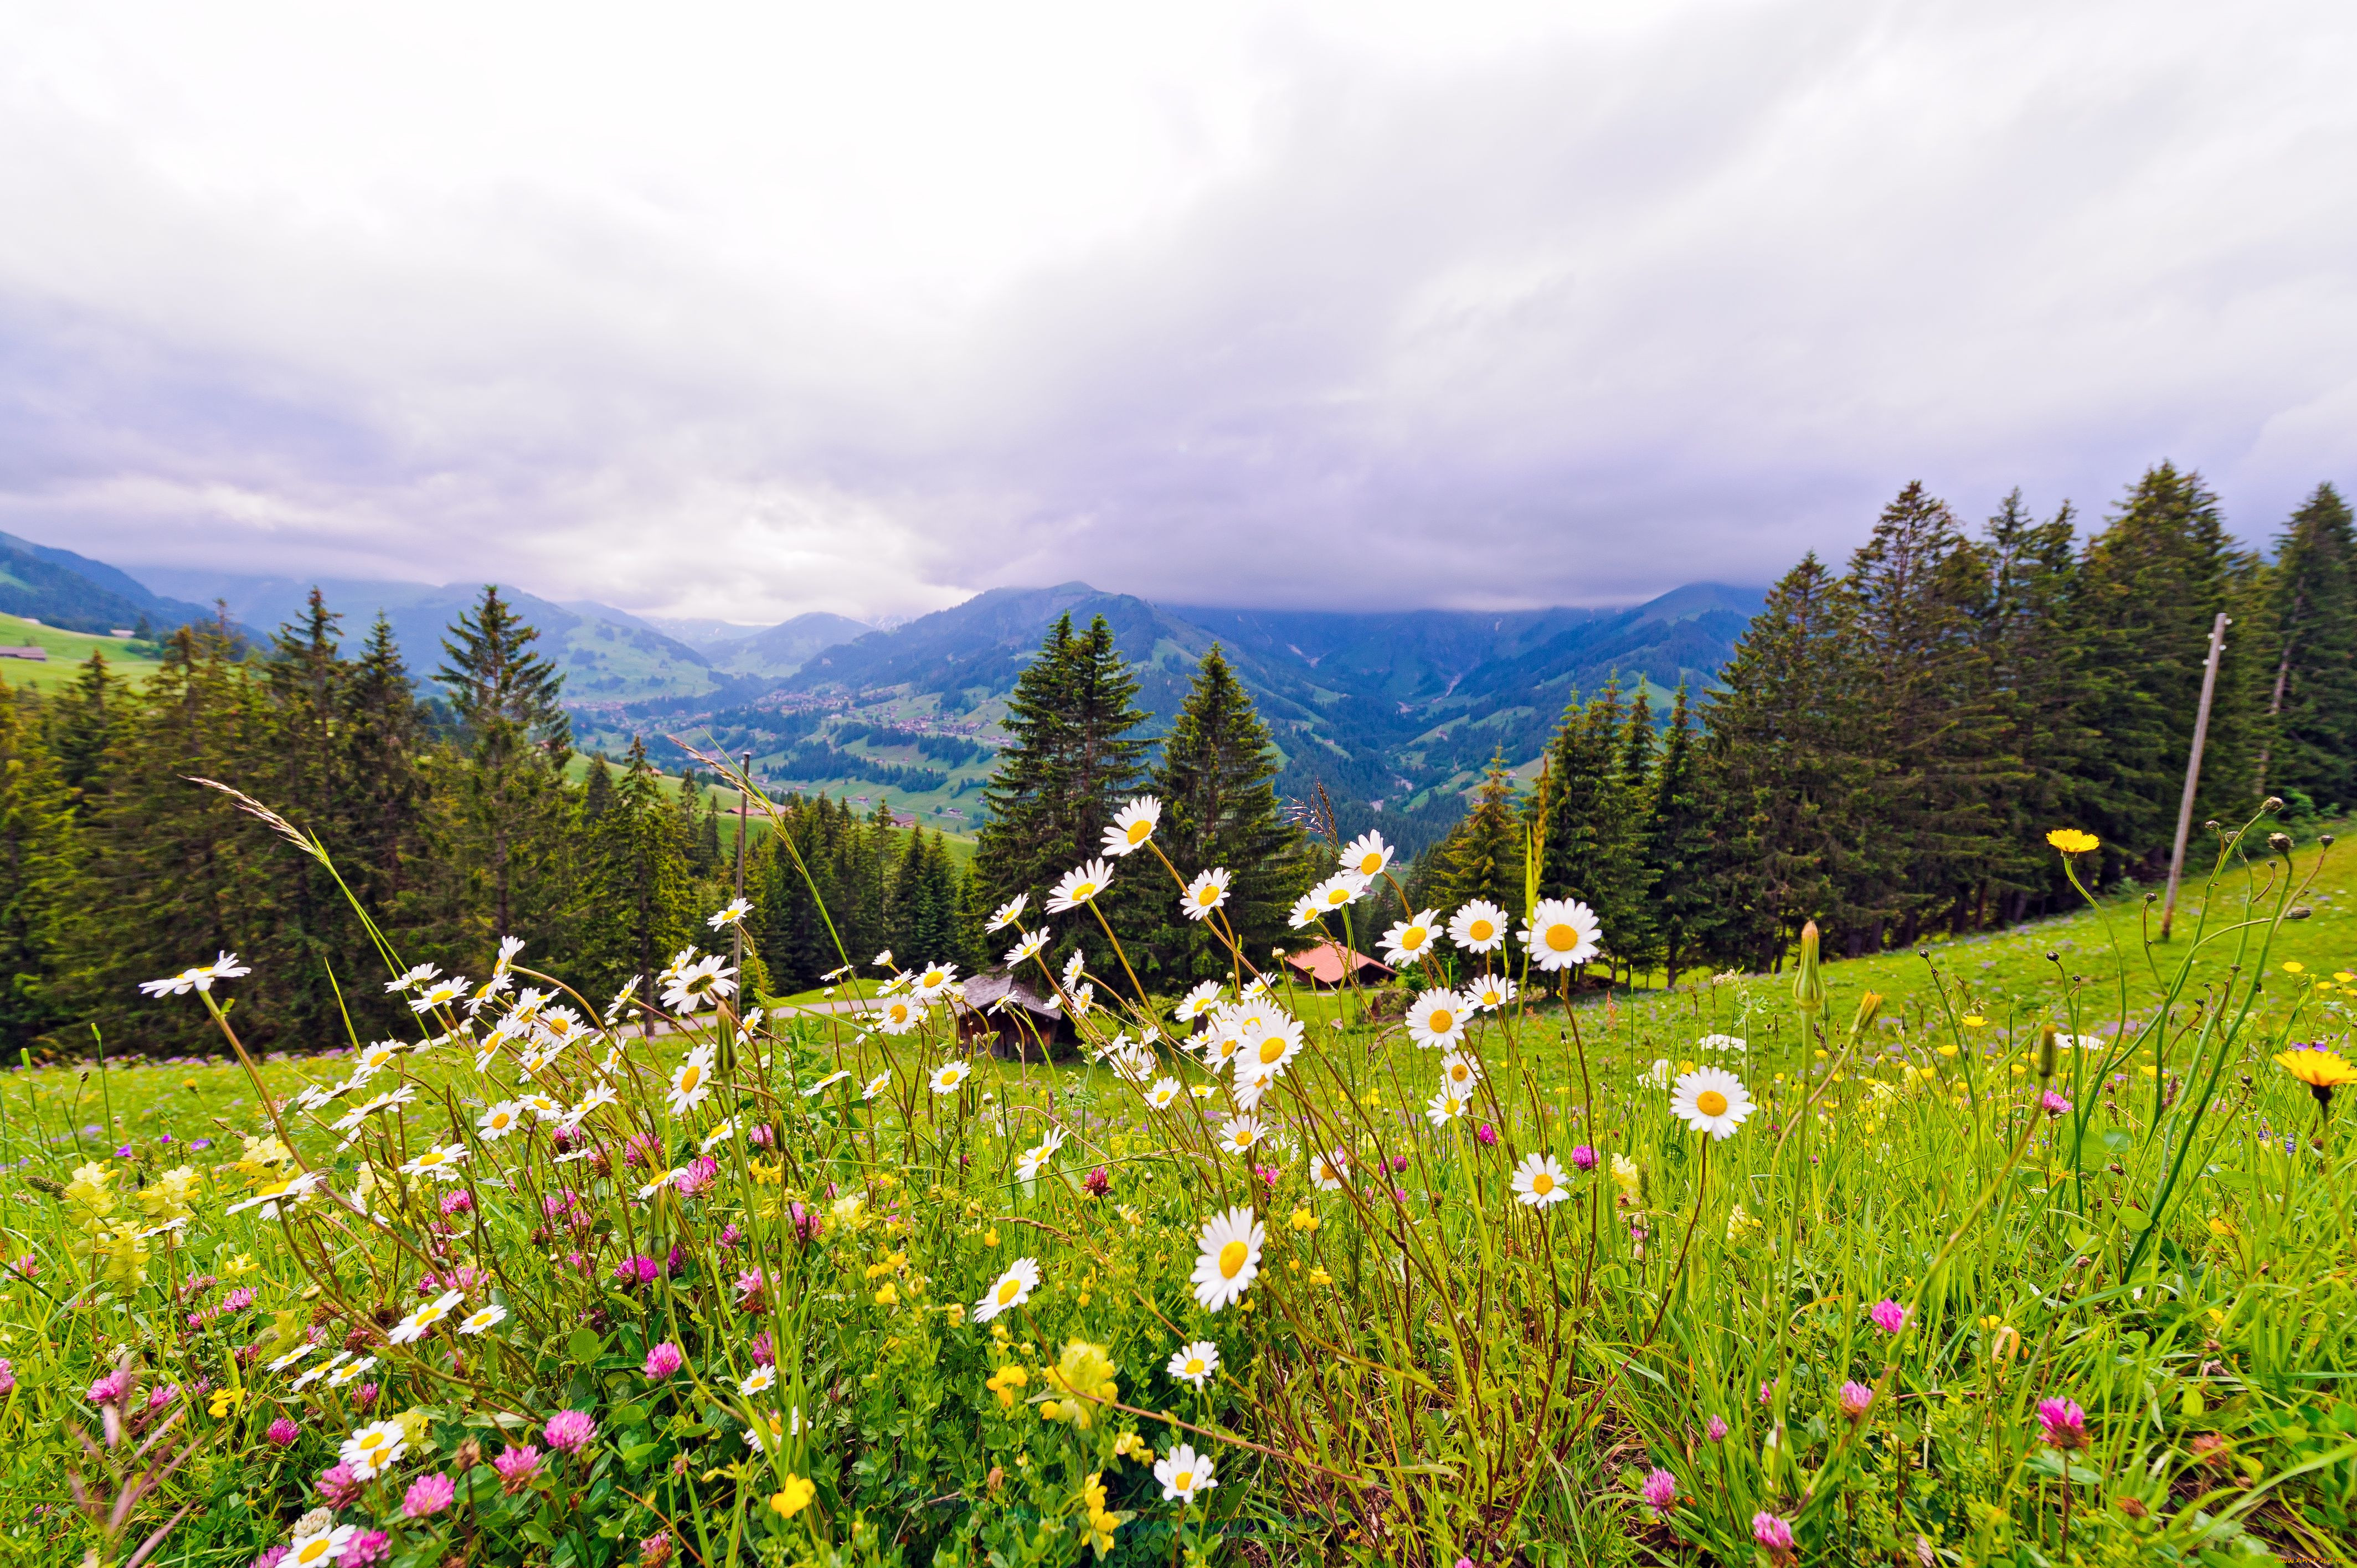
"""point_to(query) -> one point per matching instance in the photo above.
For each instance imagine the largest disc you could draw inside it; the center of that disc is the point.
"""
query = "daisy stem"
(1702, 1189)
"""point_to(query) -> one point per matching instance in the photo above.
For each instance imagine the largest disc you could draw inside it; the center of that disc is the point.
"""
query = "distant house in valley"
(1018, 1021)
(1328, 965)
(30, 650)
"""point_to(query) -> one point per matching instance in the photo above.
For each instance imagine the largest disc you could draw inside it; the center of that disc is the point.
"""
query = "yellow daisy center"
(1711, 1102)
(1184, 1480)
(1440, 1021)
(1085, 890)
(690, 1075)
(1459, 1073)
(1542, 1183)
(1206, 896)
(371, 1440)
(1561, 938)
(1271, 1048)
(1232, 1260)
(1481, 930)
(1370, 864)
(316, 1550)
(1008, 1290)
(1139, 831)
(1412, 938)
(1194, 1365)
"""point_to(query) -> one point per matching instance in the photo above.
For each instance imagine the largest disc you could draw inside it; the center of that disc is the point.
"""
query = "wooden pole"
(743, 791)
(2194, 769)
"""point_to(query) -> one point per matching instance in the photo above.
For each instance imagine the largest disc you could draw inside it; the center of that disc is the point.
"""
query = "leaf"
(584, 1343)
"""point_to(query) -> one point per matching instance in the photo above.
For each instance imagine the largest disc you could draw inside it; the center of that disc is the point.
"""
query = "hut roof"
(998, 984)
(1324, 963)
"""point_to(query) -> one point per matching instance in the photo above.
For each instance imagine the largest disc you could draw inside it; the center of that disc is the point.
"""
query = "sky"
(741, 311)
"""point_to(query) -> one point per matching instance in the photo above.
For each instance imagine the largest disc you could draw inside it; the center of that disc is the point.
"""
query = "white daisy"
(374, 1060)
(349, 1372)
(1036, 1157)
(829, 1081)
(1478, 927)
(1724, 1044)
(1539, 1182)
(1561, 932)
(500, 1121)
(1198, 1002)
(1012, 1290)
(313, 1096)
(1330, 1170)
(374, 1447)
(441, 993)
(947, 1076)
(691, 1081)
(548, 1108)
(1028, 947)
(1194, 1363)
(1164, 1094)
(1443, 1108)
(1007, 914)
(1305, 909)
(597, 1099)
(292, 1190)
(1436, 1018)
(759, 1380)
(1184, 1474)
(1079, 886)
(1240, 1135)
(875, 1086)
(1491, 993)
(1207, 892)
(441, 1161)
(1710, 1100)
(483, 1319)
(297, 1354)
(1366, 857)
(1227, 1258)
(1133, 825)
(1412, 940)
(1337, 892)
(1459, 1071)
(932, 980)
(899, 1015)
(324, 1544)
(414, 1326)
(1271, 1048)
(1075, 967)
(883, 960)
(730, 913)
(408, 978)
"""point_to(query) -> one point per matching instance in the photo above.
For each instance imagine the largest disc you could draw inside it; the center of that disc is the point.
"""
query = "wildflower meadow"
(1480, 1268)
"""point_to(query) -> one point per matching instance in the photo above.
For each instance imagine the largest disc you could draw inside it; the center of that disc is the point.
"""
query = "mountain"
(1393, 715)
(60, 588)
(607, 655)
(781, 649)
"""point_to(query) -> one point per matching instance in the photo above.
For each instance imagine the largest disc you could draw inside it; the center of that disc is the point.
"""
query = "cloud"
(767, 312)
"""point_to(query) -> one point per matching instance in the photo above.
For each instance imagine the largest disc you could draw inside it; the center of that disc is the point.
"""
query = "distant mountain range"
(1393, 713)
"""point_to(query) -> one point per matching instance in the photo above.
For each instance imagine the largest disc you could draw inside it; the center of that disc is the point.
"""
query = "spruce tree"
(1483, 856)
(1678, 852)
(388, 848)
(1216, 781)
(640, 909)
(39, 863)
(2312, 690)
(1588, 811)
(82, 721)
(510, 807)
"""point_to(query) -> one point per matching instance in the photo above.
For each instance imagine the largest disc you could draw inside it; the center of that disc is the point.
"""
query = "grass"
(1688, 1355)
(69, 650)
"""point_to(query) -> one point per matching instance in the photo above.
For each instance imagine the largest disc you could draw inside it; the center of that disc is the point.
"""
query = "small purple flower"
(763, 1354)
(697, 1179)
(1399, 1162)
(1767, 1391)
(1269, 1176)
(1853, 1399)
(730, 1236)
(1097, 1182)
(662, 1360)
(1715, 1429)
(110, 1388)
(2062, 1424)
(642, 1149)
(568, 1430)
(517, 1467)
(237, 1300)
(1889, 1316)
(366, 1549)
(637, 1269)
(123, 1152)
(1774, 1533)
(2054, 1104)
(750, 1286)
(458, 1202)
(7, 1376)
(761, 1135)
(1584, 1157)
(200, 1144)
(338, 1488)
(270, 1557)
(1487, 1135)
(429, 1495)
(1660, 1492)
(283, 1432)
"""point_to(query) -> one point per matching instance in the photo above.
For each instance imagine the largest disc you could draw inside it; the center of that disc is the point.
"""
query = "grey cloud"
(1618, 312)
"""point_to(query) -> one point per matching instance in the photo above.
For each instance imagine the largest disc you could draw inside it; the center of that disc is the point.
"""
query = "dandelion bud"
(2297, 912)
(1808, 982)
(2047, 1034)
(1868, 1007)
(2279, 843)
(2272, 803)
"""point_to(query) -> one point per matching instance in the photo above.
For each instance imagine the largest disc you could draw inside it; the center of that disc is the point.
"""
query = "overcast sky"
(744, 310)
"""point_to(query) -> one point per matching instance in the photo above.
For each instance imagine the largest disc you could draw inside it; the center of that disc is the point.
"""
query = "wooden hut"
(1019, 1021)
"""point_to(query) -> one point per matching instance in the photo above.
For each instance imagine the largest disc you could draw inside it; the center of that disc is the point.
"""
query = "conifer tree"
(40, 866)
(597, 789)
(1593, 849)
(510, 807)
(82, 721)
(2312, 691)
(1483, 856)
(640, 909)
(1678, 852)
(1215, 780)
(388, 818)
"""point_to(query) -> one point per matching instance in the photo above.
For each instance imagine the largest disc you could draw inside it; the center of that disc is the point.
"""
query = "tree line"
(1893, 741)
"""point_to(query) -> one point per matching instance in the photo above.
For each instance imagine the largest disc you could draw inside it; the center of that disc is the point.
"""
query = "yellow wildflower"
(1304, 1220)
(794, 1496)
(888, 1296)
(2072, 840)
(226, 1398)
(1005, 1382)
(1083, 1369)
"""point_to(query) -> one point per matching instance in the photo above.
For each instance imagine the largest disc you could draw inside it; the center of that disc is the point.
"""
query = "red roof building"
(1325, 964)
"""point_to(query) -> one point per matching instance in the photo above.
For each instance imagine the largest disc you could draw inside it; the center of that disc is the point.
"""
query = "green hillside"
(68, 651)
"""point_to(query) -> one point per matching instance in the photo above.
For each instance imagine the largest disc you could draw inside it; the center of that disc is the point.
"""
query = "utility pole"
(2193, 769)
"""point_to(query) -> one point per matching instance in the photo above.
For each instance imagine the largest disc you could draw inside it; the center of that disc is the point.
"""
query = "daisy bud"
(1808, 983)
